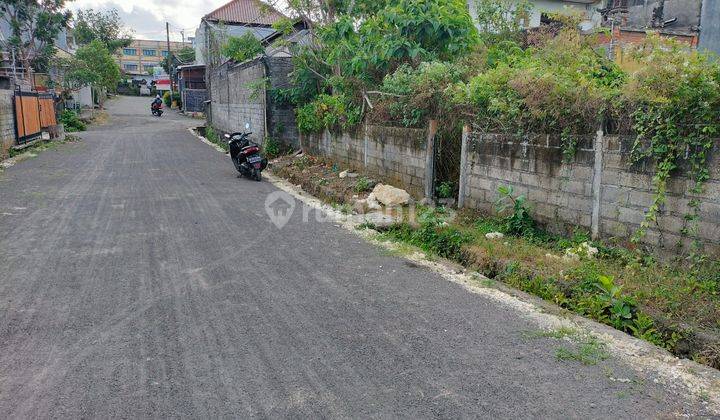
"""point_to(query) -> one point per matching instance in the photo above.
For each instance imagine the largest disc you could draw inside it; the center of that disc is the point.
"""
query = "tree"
(106, 27)
(92, 65)
(34, 25)
(185, 56)
(502, 19)
(242, 48)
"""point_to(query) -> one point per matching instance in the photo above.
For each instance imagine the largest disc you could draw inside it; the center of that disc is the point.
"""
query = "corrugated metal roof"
(251, 12)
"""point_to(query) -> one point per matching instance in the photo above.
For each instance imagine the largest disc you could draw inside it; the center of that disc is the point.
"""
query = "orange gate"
(33, 112)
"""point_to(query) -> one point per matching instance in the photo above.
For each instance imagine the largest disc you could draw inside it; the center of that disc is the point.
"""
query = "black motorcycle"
(246, 155)
(156, 109)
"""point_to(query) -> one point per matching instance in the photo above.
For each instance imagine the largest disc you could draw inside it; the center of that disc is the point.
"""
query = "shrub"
(328, 111)
(518, 220)
(167, 99)
(411, 95)
(242, 48)
(69, 119)
(177, 98)
(271, 148)
(363, 184)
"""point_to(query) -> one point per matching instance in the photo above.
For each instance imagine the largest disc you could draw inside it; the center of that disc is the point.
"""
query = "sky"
(147, 17)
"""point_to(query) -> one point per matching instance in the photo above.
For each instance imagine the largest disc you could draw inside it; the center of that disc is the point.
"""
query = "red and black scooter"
(246, 155)
(156, 109)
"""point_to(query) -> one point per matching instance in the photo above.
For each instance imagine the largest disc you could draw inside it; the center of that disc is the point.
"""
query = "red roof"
(251, 12)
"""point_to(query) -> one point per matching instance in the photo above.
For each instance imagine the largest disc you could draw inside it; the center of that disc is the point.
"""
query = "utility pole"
(169, 57)
(182, 33)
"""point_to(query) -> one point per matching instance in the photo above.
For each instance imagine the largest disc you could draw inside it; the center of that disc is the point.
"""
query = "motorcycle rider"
(157, 102)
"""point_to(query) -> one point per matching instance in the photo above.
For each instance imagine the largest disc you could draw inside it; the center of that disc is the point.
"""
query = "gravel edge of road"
(697, 382)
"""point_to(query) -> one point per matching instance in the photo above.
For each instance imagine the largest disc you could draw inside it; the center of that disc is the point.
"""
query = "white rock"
(391, 196)
(494, 235)
(352, 175)
(343, 174)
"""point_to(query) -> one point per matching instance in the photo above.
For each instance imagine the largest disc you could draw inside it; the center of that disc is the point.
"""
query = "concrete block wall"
(234, 103)
(235, 99)
(599, 190)
(281, 117)
(7, 121)
(395, 155)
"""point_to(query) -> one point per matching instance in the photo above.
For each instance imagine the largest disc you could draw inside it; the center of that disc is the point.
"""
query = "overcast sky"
(148, 17)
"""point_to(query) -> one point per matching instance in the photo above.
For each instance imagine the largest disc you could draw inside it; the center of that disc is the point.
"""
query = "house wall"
(7, 121)
(396, 155)
(599, 190)
(710, 22)
(687, 13)
(234, 103)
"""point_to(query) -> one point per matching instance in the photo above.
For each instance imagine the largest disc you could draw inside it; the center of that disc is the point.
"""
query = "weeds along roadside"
(675, 307)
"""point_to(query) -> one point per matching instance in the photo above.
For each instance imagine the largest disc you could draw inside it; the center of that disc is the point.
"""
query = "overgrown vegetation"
(212, 136)
(632, 292)
(409, 61)
(69, 119)
(242, 48)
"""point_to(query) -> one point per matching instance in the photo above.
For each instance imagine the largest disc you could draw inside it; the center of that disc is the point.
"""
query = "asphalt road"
(140, 278)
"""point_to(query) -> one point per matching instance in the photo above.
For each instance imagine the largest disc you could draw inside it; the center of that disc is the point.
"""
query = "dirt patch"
(321, 178)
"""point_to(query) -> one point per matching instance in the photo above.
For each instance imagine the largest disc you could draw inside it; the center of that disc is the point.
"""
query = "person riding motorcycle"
(157, 102)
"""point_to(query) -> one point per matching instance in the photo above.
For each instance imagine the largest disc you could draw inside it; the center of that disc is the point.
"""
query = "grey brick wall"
(563, 195)
(395, 155)
(281, 117)
(236, 102)
(7, 120)
(233, 102)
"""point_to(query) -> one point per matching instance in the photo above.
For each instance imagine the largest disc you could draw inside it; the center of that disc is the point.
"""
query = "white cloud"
(147, 18)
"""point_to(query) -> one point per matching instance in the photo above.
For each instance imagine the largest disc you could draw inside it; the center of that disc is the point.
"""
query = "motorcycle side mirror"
(247, 126)
(227, 136)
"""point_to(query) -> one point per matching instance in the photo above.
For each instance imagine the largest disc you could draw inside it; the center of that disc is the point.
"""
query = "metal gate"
(33, 112)
(447, 153)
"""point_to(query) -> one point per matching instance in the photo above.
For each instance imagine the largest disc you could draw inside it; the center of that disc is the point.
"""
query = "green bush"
(213, 137)
(69, 119)
(271, 148)
(177, 98)
(242, 48)
(167, 99)
(328, 111)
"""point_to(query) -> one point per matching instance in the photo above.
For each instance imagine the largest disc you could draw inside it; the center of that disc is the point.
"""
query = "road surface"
(141, 278)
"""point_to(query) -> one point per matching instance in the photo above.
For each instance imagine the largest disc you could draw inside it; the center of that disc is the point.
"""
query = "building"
(588, 9)
(191, 84)
(693, 22)
(142, 56)
(235, 18)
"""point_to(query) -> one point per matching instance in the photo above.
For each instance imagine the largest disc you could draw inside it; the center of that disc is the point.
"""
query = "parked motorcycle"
(246, 155)
(156, 109)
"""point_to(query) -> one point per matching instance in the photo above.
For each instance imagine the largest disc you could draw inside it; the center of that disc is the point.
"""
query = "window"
(129, 51)
(130, 67)
(149, 53)
(164, 53)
